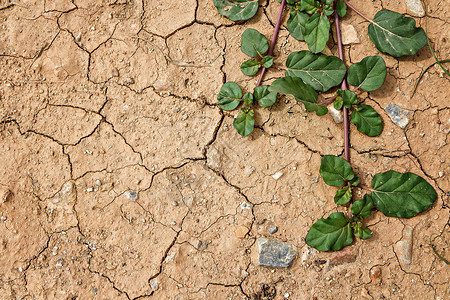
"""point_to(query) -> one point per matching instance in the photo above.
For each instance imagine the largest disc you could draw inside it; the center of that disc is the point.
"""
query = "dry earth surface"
(121, 178)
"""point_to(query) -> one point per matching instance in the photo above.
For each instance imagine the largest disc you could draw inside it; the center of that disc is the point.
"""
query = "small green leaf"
(332, 233)
(335, 170)
(396, 34)
(310, 6)
(254, 43)
(296, 24)
(401, 195)
(244, 122)
(369, 74)
(267, 61)
(367, 120)
(248, 99)
(338, 103)
(362, 207)
(328, 10)
(250, 67)
(237, 10)
(317, 32)
(320, 71)
(349, 98)
(354, 181)
(363, 233)
(341, 8)
(343, 195)
(302, 92)
(230, 96)
(264, 96)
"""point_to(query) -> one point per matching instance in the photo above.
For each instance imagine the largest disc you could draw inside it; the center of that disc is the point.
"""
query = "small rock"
(336, 114)
(130, 80)
(245, 205)
(5, 194)
(78, 37)
(273, 229)
(375, 275)
(205, 245)
(241, 231)
(277, 175)
(347, 255)
(349, 34)
(131, 195)
(154, 284)
(272, 253)
(404, 247)
(115, 72)
(415, 8)
(397, 115)
(98, 182)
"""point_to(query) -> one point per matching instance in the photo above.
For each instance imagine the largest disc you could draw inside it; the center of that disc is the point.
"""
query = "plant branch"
(274, 40)
(357, 11)
(343, 87)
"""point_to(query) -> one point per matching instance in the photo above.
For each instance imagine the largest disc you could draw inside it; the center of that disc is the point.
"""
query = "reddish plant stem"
(357, 11)
(343, 87)
(274, 40)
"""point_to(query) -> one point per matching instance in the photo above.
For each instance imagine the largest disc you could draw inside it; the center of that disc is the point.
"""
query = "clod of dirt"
(272, 253)
(397, 115)
(347, 255)
(5, 194)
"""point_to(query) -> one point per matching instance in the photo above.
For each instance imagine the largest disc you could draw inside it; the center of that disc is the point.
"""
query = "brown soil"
(101, 99)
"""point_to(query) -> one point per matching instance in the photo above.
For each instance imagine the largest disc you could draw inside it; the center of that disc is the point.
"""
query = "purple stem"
(343, 87)
(274, 40)
(357, 11)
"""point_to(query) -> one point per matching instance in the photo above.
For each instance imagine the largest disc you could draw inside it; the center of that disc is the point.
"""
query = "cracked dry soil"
(120, 178)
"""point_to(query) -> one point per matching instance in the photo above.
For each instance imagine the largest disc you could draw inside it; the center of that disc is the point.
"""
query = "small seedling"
(309, 72)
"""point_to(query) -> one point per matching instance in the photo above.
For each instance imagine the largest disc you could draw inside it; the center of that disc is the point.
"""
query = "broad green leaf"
(244, 122)
(310, 6)
(332, 233)
(254, 43)
(363, 233)
(335, 170)
(401, 195)
(320, 71)
(296, 24)
(367, 120)
(369, 74)
(264, 96)
(302, 92)
(396, 34)
(267, 61)
(230, 96)
(338, 103)
(341, 8)
(362, 207)
(343, 195)
(250, 67)
(248, 99)
(237, 10)
(317, 32)
(349, 98)
(328, 10)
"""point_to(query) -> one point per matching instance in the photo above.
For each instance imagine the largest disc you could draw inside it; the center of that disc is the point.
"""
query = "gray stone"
(272, 253)
(415, 8)
(154, 284)
(349, 34)
(398, 116)
(403, 248)
(131, 195)
(273, 229)
(336, 114)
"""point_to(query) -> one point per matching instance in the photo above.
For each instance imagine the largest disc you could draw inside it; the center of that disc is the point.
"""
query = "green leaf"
(332, 233)
(296, 24)
(254, 43)
(237, 10)
(310, 6)
(328, 10)
(250, 67)
(248, 99)
(244, 122)
(367, 120)
(363, 233)
(362, 207)
(341, 8)
(355, 181)
(343, 195)
(396, 34)
(317, 32)
(369, 74)
(338, 103)
(320, 71)
(302, 92)
(401, 195)
(264, 96)
(349, 98)
(335, 170)
(229, 96)
(267, 61)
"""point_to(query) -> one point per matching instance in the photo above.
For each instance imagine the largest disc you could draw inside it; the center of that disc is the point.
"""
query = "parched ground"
(120, 178)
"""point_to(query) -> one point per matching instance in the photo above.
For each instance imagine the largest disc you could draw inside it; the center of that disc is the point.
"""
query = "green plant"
(309, 72)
